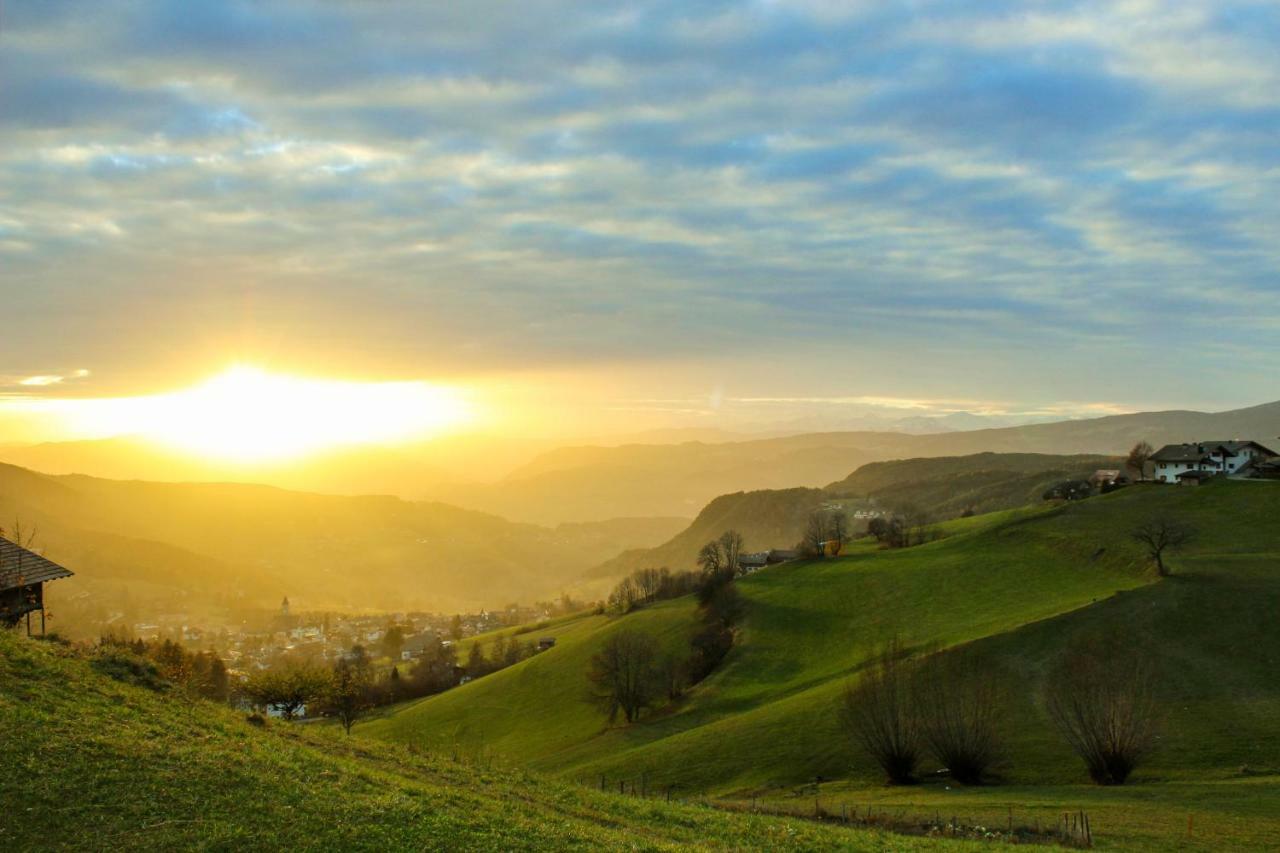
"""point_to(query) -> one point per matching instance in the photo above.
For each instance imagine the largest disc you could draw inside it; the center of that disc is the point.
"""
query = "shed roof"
(19, 567)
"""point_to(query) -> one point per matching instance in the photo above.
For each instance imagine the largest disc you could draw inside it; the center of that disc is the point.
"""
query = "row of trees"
(645, 586)
(1100, 697)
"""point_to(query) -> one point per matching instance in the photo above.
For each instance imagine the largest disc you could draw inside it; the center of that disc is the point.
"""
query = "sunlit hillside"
(154, 771)
(150, 548)
(1017, 586)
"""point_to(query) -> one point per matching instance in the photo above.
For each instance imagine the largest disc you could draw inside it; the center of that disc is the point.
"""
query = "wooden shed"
(23, 574)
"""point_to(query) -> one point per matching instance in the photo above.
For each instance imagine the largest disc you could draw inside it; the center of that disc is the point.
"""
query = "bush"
(962, 710)
(1101, 698)
(123, 665)
(879, 714)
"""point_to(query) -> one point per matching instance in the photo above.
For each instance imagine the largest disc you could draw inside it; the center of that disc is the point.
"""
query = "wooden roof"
(19, 567)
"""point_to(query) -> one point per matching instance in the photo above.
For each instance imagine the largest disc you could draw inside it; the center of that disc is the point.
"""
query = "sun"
(248, 415)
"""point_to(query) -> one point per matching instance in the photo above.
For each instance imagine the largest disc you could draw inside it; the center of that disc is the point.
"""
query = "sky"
(648, 214)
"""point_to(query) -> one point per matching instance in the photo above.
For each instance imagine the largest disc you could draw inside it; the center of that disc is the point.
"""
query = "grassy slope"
(94, 764)
(809, 626)
(1019, 584)
(983, 482)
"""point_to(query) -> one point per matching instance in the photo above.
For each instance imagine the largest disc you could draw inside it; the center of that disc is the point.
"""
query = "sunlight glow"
(248, 415)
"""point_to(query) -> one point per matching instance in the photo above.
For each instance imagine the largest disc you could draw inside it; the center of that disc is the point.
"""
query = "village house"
(1193, 463)
(1107, 477)
(414, 647)
(23, 574)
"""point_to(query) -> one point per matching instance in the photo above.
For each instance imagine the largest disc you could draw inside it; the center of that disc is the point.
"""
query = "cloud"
(1031, 189)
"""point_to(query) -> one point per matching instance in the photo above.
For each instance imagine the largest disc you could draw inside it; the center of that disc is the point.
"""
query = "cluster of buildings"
(1192, 464)
(325, 637)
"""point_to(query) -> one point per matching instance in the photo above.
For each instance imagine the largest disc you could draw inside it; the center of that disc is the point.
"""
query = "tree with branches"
(1101, 697)
(1160, 535)
(624, 676)
(1138, 458)
(880, 714)
(730, 550)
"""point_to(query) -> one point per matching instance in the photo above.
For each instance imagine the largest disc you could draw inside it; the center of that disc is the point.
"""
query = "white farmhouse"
(1178, 463)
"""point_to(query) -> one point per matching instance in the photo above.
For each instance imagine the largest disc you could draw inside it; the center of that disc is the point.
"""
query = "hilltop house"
(23, 575)
(1105, 478)
(748, 563)
(1182, 463)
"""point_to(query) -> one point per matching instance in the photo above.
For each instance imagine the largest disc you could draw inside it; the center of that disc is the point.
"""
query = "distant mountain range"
(642, 479)
(146, 548)
(653, 477)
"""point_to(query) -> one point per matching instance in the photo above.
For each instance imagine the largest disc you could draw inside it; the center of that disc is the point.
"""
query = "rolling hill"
(944, 487)
(167, 547)
(96, 764)
(948, 486)
(583, 483)
(1016, 587)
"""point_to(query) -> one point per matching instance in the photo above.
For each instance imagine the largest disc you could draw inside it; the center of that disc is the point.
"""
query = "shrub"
(1101, 698)
(962, 709)
(879, 714)
(123, 665)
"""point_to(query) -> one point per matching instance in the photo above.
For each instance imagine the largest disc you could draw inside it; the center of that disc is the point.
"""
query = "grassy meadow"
(1014, 587)
(97, 764)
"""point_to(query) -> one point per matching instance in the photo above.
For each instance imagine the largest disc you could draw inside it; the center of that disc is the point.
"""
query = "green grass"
(94, 764)
(1018, 586)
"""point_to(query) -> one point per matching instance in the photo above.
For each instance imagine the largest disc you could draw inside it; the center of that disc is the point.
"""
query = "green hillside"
(771, 518)
(1018, 584)
(94, 764)
(948, 486)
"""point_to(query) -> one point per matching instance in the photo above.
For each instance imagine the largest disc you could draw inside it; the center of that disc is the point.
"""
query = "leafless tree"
(815, 535)
(879, 713)
(625, 595)
(648, 583)
(1162, 534)
(962, 706)
(1102, 700)
(1138, 457)
(624, 675)
(731, 550)
(711, 558)
(838, 525)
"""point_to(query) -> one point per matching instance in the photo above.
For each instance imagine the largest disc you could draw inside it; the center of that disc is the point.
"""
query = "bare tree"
(625, 595)
(1102, 700)
(711, 558)
(648, 583)
(963, 708)
(838, 525)
(879, 713)
(1138, 457)
(815, 535)
(731, 550)
(624, 675)
(1161, 534)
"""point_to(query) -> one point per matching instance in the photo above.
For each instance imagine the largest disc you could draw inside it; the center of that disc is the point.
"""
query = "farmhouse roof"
(19, 567)
(1202, 450)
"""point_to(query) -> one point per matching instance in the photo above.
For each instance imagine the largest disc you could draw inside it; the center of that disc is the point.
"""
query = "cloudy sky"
(660, 210)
